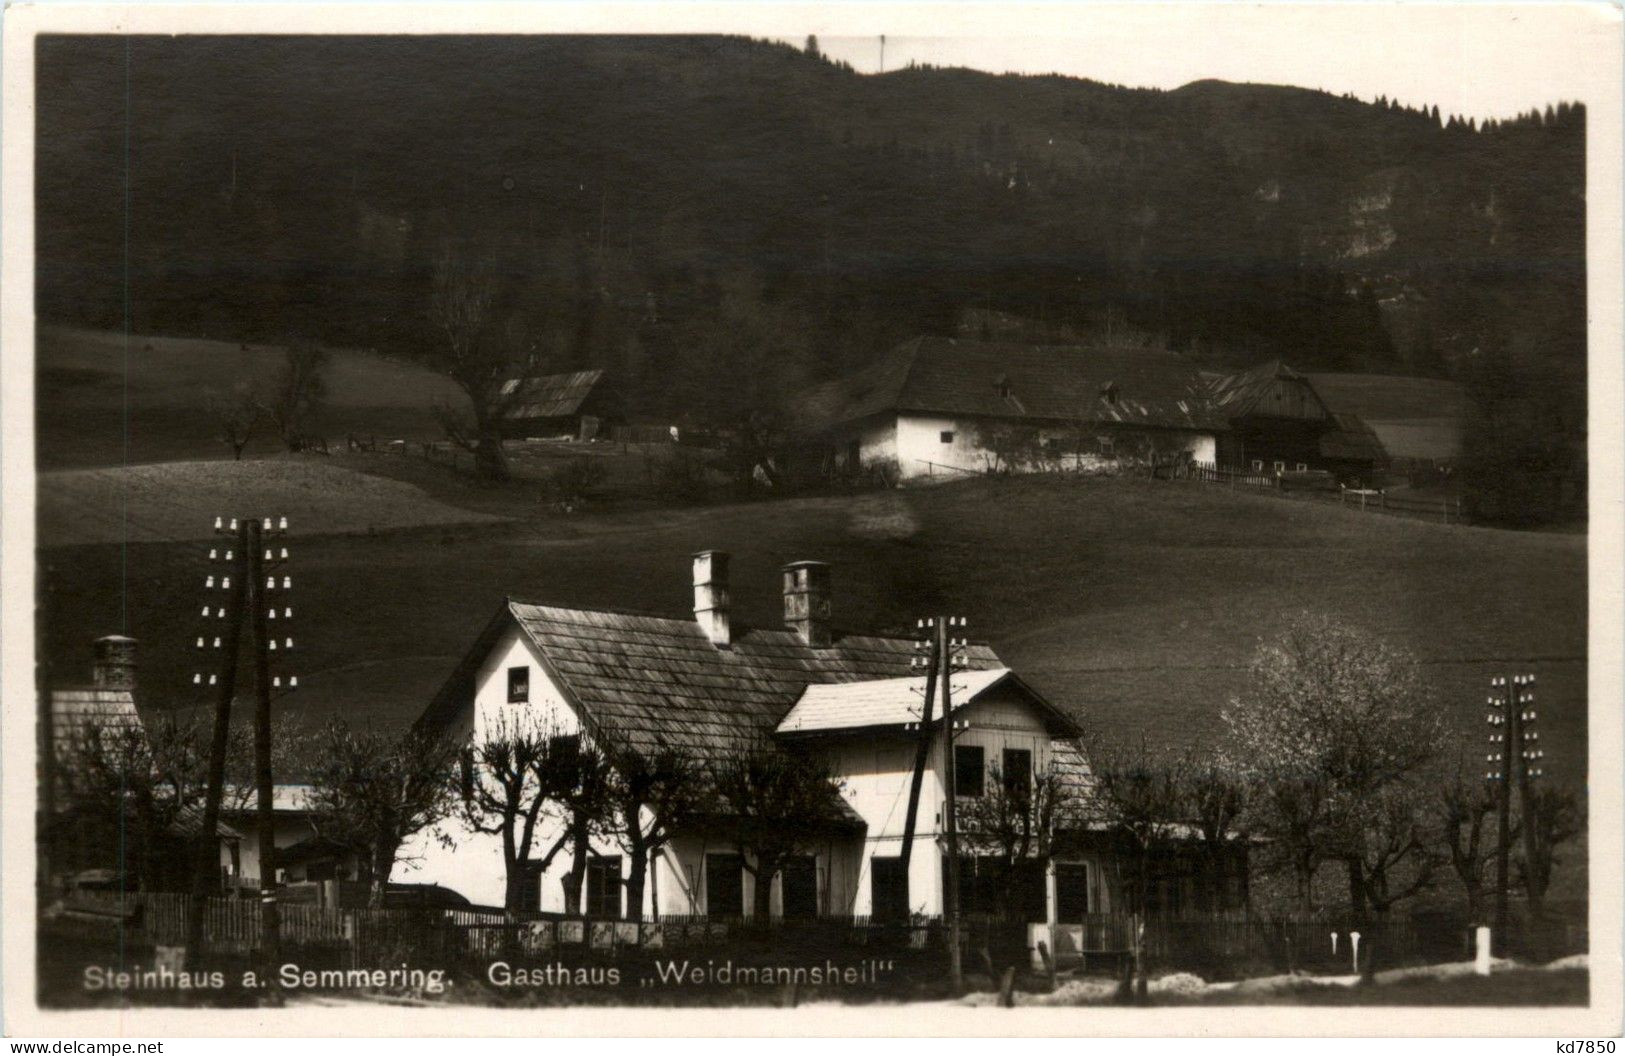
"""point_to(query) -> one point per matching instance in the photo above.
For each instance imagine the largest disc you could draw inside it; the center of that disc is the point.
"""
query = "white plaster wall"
(919, 441)
(452, 854)
(289, 831)
(876, 768)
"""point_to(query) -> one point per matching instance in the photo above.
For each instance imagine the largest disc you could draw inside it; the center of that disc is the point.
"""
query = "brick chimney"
(114, 667)
(806, 601)
(711, 596)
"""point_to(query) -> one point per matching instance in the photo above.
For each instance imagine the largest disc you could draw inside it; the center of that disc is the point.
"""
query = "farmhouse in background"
(582, 405)
(1279, 423)
(942, 407)
(935, 405)
(719, 690)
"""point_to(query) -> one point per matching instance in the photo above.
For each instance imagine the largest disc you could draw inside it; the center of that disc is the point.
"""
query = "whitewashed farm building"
(943, 407)
(716, 688)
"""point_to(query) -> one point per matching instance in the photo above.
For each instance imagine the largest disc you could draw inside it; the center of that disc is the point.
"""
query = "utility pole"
(1509, 761)
(925, 655)
(221, 630)
(261, 585)
(947, 659)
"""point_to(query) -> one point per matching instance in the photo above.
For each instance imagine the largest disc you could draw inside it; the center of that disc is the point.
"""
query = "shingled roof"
(656, 680)
(78, 711)
(1238, 395)
(1036, 383)
(552, 395)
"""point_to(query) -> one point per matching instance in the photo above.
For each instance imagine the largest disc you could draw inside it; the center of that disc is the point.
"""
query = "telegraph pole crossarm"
(221, 631)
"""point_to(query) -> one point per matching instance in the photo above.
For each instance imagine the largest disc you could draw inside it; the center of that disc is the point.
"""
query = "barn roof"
(1238, 395)
(551, 395)
(824, 707)
(1037, 383)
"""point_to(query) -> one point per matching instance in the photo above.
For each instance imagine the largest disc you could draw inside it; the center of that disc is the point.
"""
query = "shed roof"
(885, 702)
(551, 395)
(1037, 383)
(1352, 440)
(76, 710)
(188, 822)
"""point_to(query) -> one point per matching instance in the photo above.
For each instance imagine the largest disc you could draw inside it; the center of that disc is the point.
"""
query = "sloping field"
(1438, 438)
(1383, 397)
(91, 383)
(1414, 417)
(1134, 603)
(179, 500)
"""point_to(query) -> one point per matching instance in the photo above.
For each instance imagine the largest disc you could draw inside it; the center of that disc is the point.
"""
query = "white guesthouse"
(716, 689)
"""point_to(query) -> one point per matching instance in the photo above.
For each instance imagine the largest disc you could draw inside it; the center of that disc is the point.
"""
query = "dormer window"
(1004, 386)
(519, 685)
(1108, 392)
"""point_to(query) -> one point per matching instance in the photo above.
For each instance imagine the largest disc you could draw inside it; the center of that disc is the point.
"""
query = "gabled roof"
(188, 822)
(1035, 383)
(552, 395)
(1238, 395)
(78, 709)
(891, 702)
(656, 680)
(286, 798)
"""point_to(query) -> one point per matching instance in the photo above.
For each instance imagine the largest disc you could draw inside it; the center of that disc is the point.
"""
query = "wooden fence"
(1444, 509)
(1213, 946)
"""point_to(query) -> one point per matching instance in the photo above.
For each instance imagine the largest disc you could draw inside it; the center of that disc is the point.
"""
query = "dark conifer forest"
(651, 205)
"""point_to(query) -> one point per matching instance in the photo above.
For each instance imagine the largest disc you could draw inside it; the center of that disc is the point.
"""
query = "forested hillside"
(689, 210)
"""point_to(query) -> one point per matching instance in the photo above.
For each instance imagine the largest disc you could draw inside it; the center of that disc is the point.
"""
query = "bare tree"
(477, 356)
(654, 791)
(1398, 855)
(134, 785)
(776, 801)
(373, 791)
(1463, 811)
(235, 414)
(1012, 825)
(579, 782)
(297, 391)
(506, 781)
(752, 354)
(1138, 793)
(1214, 798)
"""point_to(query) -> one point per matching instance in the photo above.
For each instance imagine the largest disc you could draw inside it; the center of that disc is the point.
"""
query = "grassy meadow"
(102, 400)
(1134, 603)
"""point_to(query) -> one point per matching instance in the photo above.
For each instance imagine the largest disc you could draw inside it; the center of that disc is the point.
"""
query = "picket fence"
(1213, 946)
